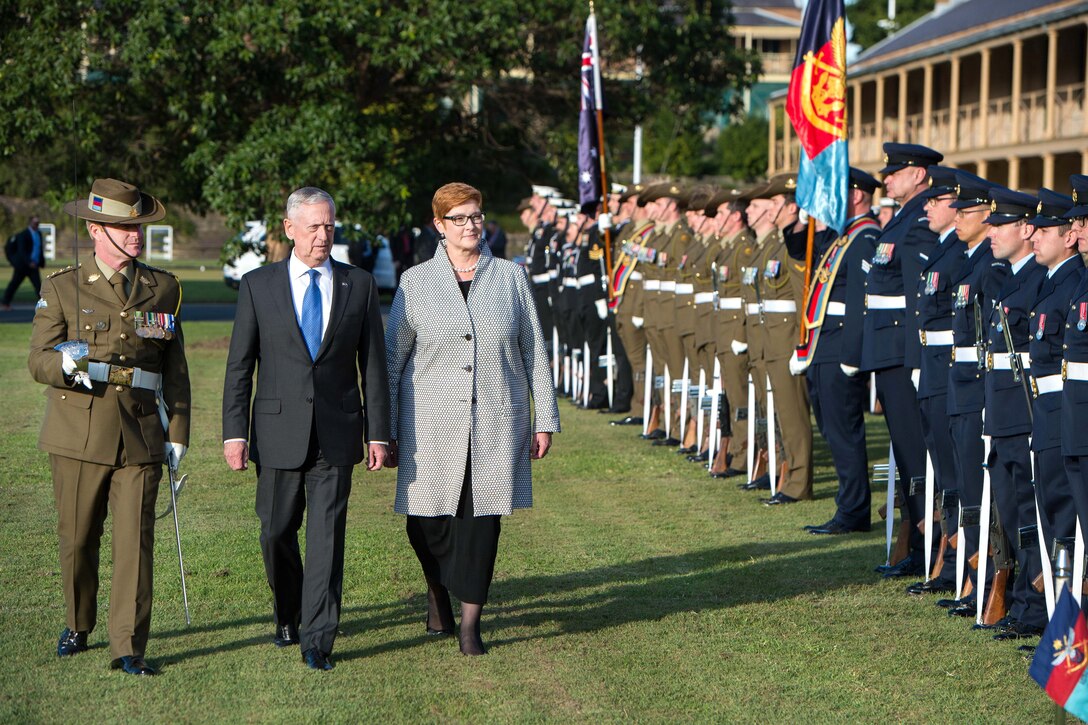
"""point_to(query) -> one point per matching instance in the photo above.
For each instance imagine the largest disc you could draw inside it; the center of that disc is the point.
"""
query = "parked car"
(253, 255)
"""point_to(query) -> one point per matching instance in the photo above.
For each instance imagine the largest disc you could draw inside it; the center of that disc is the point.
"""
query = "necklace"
(466, 269)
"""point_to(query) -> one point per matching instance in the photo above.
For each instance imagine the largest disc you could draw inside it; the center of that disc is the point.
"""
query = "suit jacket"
(978, 279)
(24, 250)
(294, 393)
(934, 299)
(94, 425)
(1047, 335)
(1075, 392)
(1006, 404)
(465, 371)
(891, 335)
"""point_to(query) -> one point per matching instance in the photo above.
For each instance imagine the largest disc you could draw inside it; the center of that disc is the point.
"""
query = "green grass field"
(636, 589)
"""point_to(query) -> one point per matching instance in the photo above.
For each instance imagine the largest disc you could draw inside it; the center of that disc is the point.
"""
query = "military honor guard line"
(962, 317)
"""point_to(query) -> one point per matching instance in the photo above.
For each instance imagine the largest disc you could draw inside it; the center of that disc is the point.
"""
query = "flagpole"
(808, 275)
(600, 144)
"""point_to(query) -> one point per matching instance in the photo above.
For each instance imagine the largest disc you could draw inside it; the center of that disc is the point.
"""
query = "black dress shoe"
(834, 528)
(315, 659)
(133, 665)
(933, 586)
(686, 450)
(700, 457)
(964, 610)
(953, 603)
(810, 527)
(667, 442)
(1002, 624)
(729, 473)
(71, 643)
(908, 567)
(629, 420)
(763, 483)
(657, 434)
(286, 636)
(778, 499)
(1018, 631)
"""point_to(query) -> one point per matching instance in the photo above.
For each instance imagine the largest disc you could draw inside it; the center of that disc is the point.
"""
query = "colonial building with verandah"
(998, 86)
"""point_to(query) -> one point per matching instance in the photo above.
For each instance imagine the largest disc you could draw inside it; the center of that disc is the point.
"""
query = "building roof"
(960, 23)
(757, 17)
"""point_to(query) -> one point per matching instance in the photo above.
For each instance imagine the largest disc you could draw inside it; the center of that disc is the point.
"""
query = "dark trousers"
(839, 402)
(1058, 512)
(20, 273)
(1076, 470)
(312, 602)
(1014, 496)
(900, 402)
(936, 429)
(623, 376)
(593, 330)
(544, 312)
(967, 458)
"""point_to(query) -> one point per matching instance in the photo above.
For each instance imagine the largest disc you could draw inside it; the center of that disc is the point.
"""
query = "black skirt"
(458, 551)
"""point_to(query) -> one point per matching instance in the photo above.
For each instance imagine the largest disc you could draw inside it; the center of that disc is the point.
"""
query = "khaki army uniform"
(686, 316)
(629, 310)
(732, 255)
(780, 281)
(106, 445)
(659, 304)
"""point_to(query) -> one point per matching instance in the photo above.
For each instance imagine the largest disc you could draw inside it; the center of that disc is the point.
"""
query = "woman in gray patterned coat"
(465, 354)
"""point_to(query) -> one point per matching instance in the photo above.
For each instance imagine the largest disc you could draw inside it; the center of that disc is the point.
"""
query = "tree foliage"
(866, 15)
(229, 105)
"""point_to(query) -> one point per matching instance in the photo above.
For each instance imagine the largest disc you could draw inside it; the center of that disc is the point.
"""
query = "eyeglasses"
(460, 219)
(932, 201)
(964, 212)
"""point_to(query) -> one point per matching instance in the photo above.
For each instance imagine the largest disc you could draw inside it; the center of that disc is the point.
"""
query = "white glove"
(638, 322)
(797, 367)
(802, 216)
(915, 377)
(174, 453)
(848, 370)
(738, 347)
(71, 368)
(604, 221)
(602, 308)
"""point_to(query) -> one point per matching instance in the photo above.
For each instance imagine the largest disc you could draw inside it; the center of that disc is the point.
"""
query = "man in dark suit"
(315, 326)
(26, 253)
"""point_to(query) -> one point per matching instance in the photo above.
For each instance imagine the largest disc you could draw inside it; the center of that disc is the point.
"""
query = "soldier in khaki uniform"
(687, 275)
(102, 426)
(734, 246)
(773, 283)
(672, 239)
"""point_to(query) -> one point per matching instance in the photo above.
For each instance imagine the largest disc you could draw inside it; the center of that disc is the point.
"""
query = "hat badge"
(1075, 197)
(791, 183)
(993, 207)
(1039, 209)
(958, 191)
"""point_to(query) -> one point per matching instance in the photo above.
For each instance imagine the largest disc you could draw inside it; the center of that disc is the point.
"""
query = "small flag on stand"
(1062, 655)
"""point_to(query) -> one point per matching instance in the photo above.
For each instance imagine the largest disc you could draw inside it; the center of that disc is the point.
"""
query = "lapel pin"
(94, 277)
(88, 310)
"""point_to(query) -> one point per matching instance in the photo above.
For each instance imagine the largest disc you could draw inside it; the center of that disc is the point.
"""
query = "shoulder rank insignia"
(596, 252)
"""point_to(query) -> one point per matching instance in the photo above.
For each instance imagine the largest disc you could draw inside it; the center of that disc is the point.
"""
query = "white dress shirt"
(298, 274)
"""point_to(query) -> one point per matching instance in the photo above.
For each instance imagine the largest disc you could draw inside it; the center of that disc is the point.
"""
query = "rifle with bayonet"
(1015, 362)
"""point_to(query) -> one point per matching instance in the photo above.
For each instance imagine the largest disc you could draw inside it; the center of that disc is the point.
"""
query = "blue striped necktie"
(311, 315)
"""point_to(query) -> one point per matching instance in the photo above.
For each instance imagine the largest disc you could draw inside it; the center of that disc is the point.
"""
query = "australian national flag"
(1062, 655)
(589, 165)
(816, 105)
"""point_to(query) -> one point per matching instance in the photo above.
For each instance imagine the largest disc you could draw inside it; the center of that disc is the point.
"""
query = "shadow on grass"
(601, 598)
